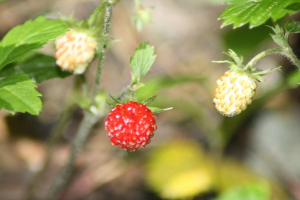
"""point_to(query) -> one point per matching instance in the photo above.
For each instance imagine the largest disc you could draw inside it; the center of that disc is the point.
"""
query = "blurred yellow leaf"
(179, 170)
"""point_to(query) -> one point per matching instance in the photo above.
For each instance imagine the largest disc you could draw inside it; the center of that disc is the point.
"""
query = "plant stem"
(55, 136)
(89, 119)
(53, 140)
(290, 54)
(259, 56)
(85, 127)
(105, 32)
(287, 52)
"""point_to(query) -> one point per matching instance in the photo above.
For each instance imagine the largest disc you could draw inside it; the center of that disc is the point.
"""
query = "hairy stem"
(63, 178)
(55, 136)
(89, 119)
(105, 32)
(290, 54)
(259, 56)
(287, 52)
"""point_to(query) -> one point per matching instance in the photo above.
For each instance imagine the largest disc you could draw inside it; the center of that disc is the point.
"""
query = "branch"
(89, 119)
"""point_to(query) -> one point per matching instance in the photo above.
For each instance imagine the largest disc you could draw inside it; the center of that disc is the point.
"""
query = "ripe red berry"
(130, 125)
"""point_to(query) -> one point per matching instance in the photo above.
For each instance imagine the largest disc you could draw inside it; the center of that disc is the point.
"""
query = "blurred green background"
(196, 153)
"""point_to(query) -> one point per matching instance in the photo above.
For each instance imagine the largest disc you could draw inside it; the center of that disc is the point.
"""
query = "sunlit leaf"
(293, 27)
(142, 60)
(32, 35)
(18, 94)
(255, 12)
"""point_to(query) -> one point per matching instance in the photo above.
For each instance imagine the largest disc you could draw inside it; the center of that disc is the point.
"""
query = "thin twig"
(63, 178)
(54, 138)
(89, 119)
(287, 52)
(105, 32)
(259, 56)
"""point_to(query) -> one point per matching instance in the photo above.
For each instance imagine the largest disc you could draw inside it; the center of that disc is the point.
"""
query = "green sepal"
(96, 14)
(83, 27)
(238, 60)
(258, 74)
(281, 36)
(235, 62)
(149, 100)
(112, 101)
(157, 110)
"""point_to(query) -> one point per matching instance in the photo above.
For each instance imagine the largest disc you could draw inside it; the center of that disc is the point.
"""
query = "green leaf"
(38, 66)
(250, 38)
(255, 12)
(157, 110)
(18, 94)
(293, 7)
(142, 60)
(238, 1)
(32, 35)
(292, 27)
(293, 79)
(257, 191)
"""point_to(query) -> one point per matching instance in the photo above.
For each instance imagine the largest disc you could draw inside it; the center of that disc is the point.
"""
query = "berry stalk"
(259, 56)
(290, 54)
(287, 52)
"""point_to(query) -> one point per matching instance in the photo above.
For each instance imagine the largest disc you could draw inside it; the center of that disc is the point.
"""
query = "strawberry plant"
(77, 44)
(129, 118)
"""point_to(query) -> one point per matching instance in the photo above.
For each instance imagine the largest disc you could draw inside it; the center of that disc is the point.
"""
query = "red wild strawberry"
(74, 51)
(130, 125)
